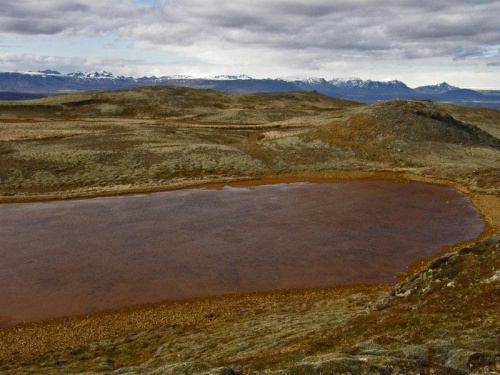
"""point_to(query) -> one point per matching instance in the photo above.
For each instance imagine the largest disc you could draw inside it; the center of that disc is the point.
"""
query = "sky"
(419, 42)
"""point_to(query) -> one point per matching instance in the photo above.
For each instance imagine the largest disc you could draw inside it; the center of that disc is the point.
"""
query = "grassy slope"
(443, 319)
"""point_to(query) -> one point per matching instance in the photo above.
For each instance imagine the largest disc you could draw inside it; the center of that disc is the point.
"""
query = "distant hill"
(53, 82)
(20, 96)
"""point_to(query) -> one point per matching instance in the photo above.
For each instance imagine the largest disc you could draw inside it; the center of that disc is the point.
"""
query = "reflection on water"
(66, 258)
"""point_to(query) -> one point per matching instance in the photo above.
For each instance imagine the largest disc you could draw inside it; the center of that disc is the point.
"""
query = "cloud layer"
(313, 35)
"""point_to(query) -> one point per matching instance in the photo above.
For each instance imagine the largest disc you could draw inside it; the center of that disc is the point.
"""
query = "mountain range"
(30, 85)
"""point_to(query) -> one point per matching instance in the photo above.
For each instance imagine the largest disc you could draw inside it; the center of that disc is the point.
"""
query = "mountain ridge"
(50, 82)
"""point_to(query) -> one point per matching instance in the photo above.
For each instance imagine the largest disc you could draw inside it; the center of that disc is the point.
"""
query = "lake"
(73, 257)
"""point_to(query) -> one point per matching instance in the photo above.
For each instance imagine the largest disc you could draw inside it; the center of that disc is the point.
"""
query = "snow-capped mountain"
(368, 84)
(243, 77)
(171, 76)
(46, 82)
(304, 80)
(437, 89)
(204, 77)
(92, 75)
(346, 82)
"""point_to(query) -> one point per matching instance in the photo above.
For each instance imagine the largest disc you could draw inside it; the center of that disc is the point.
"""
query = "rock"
(492, 279)
(229, 371)
(404, 294)
(483, 362)
(440, 261)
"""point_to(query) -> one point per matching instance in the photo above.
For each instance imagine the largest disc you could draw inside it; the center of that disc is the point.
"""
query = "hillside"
(149, 138)
(441, 318)
(177, 103)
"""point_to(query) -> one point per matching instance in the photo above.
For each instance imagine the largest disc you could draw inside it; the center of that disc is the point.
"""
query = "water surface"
(66, 258)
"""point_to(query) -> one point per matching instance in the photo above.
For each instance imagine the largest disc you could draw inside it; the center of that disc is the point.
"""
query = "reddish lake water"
(74, 257)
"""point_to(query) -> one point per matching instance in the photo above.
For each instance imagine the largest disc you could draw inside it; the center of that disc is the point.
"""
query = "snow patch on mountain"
(231, 77)
(92, 75)
(346, 82)
(303, 79)
(206, 77)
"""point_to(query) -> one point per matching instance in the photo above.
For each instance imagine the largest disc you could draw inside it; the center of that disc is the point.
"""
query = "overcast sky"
(417, 41)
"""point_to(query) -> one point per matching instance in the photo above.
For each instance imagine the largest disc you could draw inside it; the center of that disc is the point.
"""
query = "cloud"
(373, 27)
(11, 61)
(60, 17)
(312, 34)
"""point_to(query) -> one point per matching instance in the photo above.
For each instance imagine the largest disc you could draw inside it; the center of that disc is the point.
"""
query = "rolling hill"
(442, 317)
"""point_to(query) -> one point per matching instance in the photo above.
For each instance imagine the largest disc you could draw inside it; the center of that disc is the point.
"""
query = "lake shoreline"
(50, 332)
(218, 182)
(118, 251)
